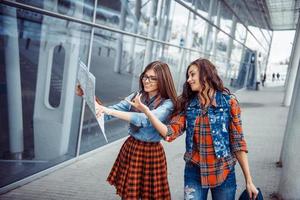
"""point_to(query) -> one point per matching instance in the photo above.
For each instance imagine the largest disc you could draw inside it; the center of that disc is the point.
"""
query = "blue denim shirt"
(146, 132)
(219, 118)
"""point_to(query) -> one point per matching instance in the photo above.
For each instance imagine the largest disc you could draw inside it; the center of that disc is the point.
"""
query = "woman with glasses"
(140, 170)
(210, 116)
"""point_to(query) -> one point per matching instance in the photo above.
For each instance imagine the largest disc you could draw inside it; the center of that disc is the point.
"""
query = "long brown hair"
(166, 87)
(208, 75)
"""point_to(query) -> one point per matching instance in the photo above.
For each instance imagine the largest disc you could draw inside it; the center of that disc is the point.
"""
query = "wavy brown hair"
(166, 87)
(208, 75)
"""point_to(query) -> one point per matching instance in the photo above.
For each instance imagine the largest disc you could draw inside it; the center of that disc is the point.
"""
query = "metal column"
(216, 32)
(291, 75)
(14, 90)
(289, 185)
(230, 44)
(293, 69)
(119, 47)
(149, 44)
(208, 26)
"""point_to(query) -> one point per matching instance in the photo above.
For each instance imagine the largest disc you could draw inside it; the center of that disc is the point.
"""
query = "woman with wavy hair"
(211, 118)
(140, 170)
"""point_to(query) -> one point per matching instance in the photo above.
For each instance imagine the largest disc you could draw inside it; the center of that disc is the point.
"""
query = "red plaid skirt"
(140, 171)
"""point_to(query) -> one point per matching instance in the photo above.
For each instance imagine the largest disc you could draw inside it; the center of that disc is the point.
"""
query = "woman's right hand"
(79, 90)
(100, 110)
(136, 102)
(252, 190)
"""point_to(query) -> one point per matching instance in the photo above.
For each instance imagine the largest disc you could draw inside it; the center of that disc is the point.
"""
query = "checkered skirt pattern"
(140, 171)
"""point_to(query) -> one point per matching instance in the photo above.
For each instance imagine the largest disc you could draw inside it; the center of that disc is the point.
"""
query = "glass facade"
(44, 123)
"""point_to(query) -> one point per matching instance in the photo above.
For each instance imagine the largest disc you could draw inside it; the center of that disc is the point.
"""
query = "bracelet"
(169, 132)
(109, 111)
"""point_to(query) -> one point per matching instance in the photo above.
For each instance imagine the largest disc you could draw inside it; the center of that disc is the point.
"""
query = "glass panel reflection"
(82, 9)
(57, 71)
(40, 135)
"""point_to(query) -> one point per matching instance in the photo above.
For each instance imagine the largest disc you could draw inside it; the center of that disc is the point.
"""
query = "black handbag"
(245, 195)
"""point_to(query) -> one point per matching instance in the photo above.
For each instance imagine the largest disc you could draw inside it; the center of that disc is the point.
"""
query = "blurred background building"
(44, 125)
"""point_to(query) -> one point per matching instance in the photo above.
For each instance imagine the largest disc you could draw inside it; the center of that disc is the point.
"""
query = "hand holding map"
(87, 87)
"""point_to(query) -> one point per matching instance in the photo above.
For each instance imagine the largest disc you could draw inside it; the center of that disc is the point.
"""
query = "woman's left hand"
(136, 102)
(252, 190)
(79, 90)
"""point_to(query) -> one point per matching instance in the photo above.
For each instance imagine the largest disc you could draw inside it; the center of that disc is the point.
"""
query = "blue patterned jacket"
(219, 118)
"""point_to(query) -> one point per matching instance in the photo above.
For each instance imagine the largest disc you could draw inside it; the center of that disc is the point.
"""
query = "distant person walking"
(278, 76)
(263, 79)
(140, 170)
(273, 77)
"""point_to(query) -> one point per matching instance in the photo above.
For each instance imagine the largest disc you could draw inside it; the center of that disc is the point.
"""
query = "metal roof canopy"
(284, 14)
(272, 15)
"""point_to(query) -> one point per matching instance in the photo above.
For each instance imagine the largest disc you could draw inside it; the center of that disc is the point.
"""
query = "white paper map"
(87, 83)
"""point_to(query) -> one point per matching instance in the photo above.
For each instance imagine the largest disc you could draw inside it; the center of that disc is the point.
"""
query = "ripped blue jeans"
(194, 191)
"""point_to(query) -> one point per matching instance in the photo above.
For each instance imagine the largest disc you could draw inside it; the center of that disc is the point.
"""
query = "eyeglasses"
(151, 79)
